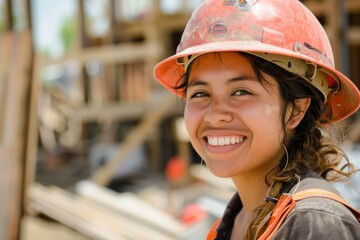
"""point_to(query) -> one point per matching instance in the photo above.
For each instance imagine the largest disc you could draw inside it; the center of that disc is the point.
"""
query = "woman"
(260, 91)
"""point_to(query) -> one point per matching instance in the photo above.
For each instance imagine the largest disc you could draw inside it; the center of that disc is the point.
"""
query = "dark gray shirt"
(319, 218)
(312, 218)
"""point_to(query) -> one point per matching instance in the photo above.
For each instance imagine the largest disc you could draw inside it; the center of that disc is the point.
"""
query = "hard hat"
(284, 32)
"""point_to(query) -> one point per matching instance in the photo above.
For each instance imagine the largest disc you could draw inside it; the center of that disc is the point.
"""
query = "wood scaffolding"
(341, 20)
(111, 83)
(16, 55)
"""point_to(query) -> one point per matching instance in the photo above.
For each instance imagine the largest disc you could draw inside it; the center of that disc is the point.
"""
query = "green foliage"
(2, 18)
(68, 33)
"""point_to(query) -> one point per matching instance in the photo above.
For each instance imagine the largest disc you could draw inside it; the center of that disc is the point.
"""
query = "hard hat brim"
(339, 106)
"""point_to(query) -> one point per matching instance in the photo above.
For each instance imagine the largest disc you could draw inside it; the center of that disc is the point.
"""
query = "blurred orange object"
(176, 169)
(193, 213)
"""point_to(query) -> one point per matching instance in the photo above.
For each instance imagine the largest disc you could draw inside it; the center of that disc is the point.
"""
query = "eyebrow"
(229, 81)
(239, 78)
(197, 83)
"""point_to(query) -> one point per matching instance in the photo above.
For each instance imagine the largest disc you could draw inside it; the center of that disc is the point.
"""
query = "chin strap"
(285, 204)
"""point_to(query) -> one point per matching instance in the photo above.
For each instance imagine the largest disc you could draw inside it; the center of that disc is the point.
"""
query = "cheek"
(259, 111)
(272, 120)
(272, 113)
(193, 119)
(190, 120)
(263, 119)
(270, 110)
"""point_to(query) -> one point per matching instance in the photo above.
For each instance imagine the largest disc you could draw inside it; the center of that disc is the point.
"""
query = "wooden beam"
(12, 167)
(155, 114)
(333, 13)
(109, 54)
(130, 205)
(87, 217)
(352, 6)
(354, 35)
(31, 149)
(9, 193)
(117, 112)
(5, 52)
(9, 159)
(319, 8)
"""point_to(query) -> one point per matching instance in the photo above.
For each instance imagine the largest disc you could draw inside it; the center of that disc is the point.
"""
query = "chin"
(220, 172)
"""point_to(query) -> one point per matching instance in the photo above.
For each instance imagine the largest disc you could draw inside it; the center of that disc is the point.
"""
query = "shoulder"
(319, 218)
(322, 208)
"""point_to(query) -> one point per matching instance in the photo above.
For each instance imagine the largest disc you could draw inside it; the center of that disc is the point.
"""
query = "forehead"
(234, 64)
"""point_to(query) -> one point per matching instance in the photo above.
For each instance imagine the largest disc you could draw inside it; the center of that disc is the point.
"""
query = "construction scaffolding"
(102, 97)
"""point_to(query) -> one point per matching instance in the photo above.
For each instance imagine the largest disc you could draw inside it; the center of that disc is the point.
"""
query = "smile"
(223, 141)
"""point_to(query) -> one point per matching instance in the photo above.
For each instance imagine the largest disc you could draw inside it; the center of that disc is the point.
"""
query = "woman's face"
(233, 120)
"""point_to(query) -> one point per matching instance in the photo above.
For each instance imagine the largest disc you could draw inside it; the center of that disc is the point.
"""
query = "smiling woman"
(224, 102)
(259, 99)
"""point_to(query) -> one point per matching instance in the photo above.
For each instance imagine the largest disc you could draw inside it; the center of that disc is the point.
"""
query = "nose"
(218, 112)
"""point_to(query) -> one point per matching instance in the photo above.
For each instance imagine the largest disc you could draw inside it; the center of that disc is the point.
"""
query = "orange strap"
(285, 204)
(281, 211)
(212, 233)
(325, 194)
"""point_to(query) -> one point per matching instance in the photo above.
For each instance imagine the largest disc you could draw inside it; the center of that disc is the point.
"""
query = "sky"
(48, 16)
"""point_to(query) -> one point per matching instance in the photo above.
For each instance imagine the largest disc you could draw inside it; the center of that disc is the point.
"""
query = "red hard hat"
(284, 32)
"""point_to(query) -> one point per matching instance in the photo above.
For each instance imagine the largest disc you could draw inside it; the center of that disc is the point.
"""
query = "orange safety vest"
(285, 204)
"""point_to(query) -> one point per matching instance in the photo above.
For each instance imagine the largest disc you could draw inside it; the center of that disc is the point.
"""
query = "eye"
(198, 95)
(241, 92)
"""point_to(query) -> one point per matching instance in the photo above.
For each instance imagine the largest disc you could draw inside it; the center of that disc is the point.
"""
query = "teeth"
(223, 141)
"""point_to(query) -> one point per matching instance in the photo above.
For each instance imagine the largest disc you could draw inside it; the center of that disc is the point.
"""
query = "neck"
(252, 191)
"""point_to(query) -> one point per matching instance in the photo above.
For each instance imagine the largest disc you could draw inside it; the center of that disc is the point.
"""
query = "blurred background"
(91, 147)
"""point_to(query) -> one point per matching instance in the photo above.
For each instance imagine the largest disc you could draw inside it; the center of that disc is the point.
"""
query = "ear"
(298, 111)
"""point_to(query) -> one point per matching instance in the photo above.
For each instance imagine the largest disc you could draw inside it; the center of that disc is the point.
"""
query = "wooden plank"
(87, 217)
(109, 54)
(128, 204)
(141, 81)
(352, 6)
(12, 167)
(117, 112)
(129, 83)
(333, 14)
(354, 35)
(97, 92)
(32, 138)
(5, 47)
(319, 8)
(9, 195)
(9, 213)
